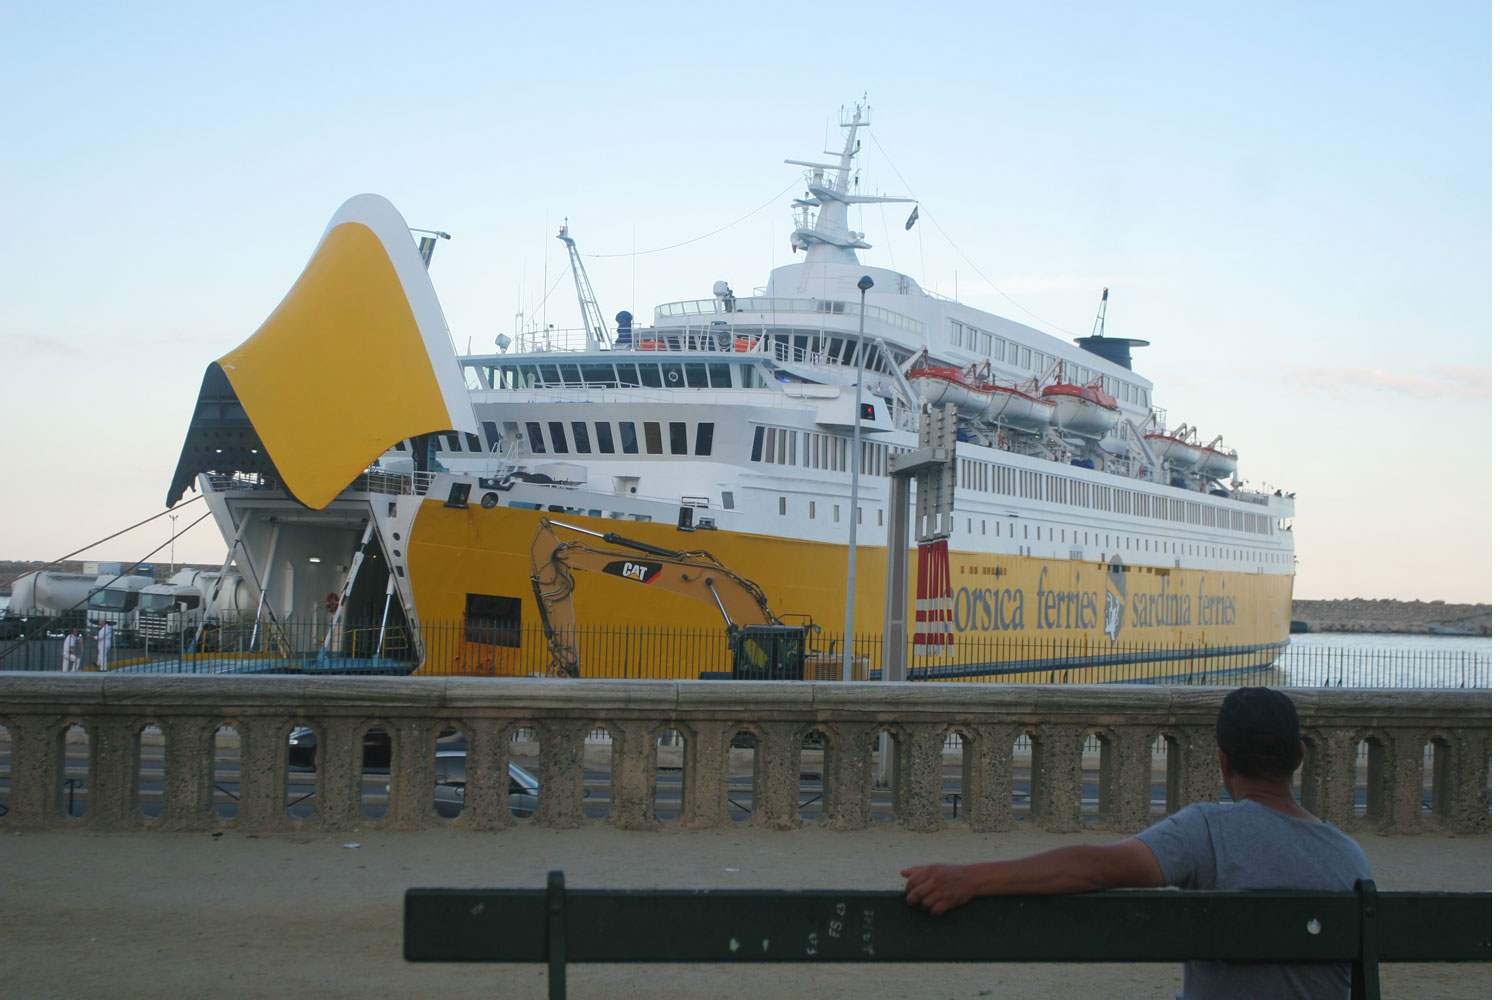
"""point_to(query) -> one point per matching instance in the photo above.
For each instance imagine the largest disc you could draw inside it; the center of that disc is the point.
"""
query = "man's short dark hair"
(1259, 732)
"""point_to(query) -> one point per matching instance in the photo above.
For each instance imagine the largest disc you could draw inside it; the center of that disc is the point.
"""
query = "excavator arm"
(696, 575)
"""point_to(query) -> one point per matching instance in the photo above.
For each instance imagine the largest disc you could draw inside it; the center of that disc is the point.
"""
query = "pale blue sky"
(1292, 204)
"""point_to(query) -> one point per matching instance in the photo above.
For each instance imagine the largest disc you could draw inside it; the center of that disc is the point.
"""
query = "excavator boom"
(692, 574)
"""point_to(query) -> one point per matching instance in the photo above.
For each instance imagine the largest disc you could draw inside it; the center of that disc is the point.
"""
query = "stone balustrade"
(1425, 763)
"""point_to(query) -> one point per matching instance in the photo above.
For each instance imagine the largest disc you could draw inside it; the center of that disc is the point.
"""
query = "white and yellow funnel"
(356, 358)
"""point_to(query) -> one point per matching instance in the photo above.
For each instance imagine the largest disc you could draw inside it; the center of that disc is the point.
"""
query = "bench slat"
(755, 925)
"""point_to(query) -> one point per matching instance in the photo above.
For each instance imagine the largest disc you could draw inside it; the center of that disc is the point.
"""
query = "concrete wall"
(38, 711)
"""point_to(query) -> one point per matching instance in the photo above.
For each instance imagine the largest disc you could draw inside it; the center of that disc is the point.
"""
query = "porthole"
(489, 500)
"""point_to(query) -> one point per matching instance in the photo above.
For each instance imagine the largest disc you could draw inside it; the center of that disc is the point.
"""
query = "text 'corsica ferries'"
(360, 470)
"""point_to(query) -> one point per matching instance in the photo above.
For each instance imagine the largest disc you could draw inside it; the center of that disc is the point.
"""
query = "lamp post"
(865, 284)
(173, 565)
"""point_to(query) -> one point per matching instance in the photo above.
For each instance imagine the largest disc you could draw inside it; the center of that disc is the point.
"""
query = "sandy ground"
(195, 915)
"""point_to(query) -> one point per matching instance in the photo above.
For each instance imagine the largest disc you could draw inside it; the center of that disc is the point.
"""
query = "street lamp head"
(866, 283)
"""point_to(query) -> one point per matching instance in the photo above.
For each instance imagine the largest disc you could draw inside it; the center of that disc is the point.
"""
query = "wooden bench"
(558, 925)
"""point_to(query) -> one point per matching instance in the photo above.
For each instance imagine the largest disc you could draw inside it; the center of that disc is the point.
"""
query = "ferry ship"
(360, 468)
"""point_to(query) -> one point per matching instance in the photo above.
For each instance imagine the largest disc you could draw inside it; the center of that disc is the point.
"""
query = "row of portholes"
(74, 743)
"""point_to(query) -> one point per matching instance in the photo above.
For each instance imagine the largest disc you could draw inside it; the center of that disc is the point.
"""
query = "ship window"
(755, 446)
(492, 620)
(672, 376)
(677, 430)
(812, 508)
(559, 440)
(728, 500)
(491, 435)
(782, 506)
(534, 433)
(581, 436)
(651, 376)
(528, 376)
(835, 513)
(400, 445)
(806, 450)
(705, 443)
(606, 438)
(570, 374)
(718, 376)
(790, 457)
(625, 372)
(472, 440)
(627, 438)
(697, 376)
(653, 438)
(599, 375)
(453, 443)
(548, 374)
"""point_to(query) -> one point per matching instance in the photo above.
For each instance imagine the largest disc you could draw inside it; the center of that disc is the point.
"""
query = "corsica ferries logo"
(1072, 603)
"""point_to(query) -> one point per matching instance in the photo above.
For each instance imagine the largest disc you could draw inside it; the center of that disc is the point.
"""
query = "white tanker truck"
(172, 611)
(46, 601)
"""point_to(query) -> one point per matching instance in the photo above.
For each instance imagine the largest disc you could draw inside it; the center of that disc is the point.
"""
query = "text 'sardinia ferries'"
(362, 471)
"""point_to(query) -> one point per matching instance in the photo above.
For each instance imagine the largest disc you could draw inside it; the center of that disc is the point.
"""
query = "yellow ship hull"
(1014, 618)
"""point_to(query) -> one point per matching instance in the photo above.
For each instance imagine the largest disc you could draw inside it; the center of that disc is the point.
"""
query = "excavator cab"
(768, 653)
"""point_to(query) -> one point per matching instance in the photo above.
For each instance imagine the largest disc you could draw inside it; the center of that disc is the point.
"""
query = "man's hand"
(939, 888)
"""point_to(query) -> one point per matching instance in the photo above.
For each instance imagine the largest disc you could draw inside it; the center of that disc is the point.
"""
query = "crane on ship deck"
(593, 319)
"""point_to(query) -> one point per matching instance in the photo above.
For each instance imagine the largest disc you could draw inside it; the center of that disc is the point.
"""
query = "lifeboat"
(941, 385)
(1085, 410)
(1185, 455)
(1178, 453)
(1011, 407)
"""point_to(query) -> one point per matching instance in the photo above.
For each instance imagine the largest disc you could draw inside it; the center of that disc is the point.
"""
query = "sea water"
(1362, 659)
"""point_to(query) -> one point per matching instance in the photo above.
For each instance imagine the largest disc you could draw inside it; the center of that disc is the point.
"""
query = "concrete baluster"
(847, 774)
(1470, 788)
(263, 798)
(777, 777)
(1199, 778)
(1329, 774)
(1406, 781)
(705, 773)
(487, 774)
(917, 797)
(188, 782)
(632, 794)
(1057, 777)
(987, 779)
(339, 782)
(36, 772)
(561, 763)
(1125, 774)
(413, 742)
(114, 768)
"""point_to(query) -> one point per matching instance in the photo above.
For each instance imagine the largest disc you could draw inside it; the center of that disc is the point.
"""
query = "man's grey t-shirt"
(1249, 846)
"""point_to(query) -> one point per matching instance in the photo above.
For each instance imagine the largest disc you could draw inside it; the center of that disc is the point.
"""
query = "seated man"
(1264, 840)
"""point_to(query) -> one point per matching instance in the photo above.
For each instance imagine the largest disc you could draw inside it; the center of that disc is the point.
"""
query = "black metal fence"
(483, 649)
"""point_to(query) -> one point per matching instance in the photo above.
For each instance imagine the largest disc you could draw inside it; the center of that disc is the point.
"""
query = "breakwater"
(1405, 617)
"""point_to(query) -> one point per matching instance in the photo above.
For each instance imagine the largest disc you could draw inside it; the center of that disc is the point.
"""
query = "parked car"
(302, 748)
(452, 770)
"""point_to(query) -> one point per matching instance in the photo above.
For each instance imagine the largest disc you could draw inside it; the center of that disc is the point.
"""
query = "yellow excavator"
(762, 646)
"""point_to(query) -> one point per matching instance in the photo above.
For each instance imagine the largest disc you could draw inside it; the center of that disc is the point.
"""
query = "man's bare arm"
(939, 888)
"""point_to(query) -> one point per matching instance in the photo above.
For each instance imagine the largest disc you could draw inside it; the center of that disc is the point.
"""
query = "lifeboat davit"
(1085, 410)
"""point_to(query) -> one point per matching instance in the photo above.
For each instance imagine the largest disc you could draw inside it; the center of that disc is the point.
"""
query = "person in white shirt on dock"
(106, 640)
(72, 651)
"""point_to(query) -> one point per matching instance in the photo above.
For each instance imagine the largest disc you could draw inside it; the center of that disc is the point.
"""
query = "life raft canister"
(331, 602)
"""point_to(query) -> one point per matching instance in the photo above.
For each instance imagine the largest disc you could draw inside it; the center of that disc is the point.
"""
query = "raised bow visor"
(356, 358)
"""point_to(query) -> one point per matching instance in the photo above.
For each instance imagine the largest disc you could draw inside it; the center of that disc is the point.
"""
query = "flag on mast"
(911, 220)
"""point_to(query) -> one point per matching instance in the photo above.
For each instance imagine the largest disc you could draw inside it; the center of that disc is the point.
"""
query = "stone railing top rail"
(708, 700)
